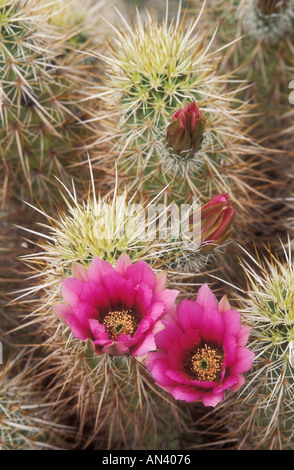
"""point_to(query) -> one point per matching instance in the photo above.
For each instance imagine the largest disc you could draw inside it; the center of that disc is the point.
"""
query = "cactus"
(267, 31)
(41, 111)
(263, 413)
(81, 19)
(268, 20)
(24, 417)
(261, 417)
(179, 238)
(109, 396)
(112, 400)
(169, 106)
(162, 67)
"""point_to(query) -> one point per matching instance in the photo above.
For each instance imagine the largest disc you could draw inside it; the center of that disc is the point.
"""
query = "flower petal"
(186, 393)
(83, 312)
(98, 269)
(239, 383)
(224, 304)
(71, 289)
(232, 322)
(157, 364)
(166, 337)
(160, 282)
(212, 326)
(79, 271)
(120, 290)
(206, 298)
(153, 316)
(62, 311)
(96, 295)
(189, 314)
(211, 399)
(143, 298)
(243, 360)
(229, 347)
(145, 346)
(243, 335)
(167, 297)
(98, 330)
(79, 331)
(141, 272)
(123, 262)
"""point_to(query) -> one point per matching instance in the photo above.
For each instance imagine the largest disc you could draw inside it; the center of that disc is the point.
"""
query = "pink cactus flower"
(201, 351)
(118, 309)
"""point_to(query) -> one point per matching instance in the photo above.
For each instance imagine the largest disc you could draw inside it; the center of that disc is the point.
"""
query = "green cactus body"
(154, 69)
(113, 400)
(266, 404)
(267, 32)
(24, 418)
(40, 113)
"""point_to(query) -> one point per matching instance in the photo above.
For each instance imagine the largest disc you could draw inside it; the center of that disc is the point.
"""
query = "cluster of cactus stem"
(271, 19)
(160, 103)
(42, 115)
(112, 400)
(261, 417)
(108, 395)
(153, 70)
(265, 29)
(270, 311)
(25, 419)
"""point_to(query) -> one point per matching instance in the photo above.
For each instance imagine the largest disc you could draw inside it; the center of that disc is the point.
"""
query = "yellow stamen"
(118, 322)
(205, 364)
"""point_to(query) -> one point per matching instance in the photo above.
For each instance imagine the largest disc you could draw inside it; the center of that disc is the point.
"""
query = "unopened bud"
(216, 222)
(185, 132)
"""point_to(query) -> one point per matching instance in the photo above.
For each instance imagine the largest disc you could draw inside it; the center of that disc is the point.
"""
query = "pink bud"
(185, 132)
(216, 222)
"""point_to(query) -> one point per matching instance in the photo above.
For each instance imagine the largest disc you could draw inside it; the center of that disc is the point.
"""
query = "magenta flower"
(118, 309)
(201, 351)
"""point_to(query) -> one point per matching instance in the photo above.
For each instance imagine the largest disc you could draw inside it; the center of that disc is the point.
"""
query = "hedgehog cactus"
(41, 113)
(106, 384)
(24, 417)
(181, 238)
(101, 371)
(109, 349)
(265, 407)
(82, 19)
(156, 70)
(266, 27)
(268, 20)
(109, 394)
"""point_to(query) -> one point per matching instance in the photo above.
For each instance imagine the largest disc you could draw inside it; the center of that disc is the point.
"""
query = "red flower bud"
(185, 132)
(216, 222)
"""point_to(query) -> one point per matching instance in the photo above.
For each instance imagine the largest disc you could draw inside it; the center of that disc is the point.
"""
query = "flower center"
(205, 363)
(120, 321)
